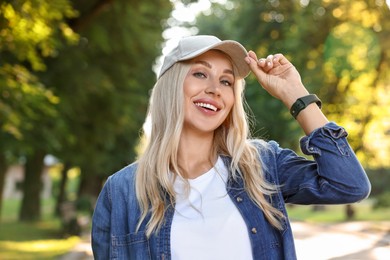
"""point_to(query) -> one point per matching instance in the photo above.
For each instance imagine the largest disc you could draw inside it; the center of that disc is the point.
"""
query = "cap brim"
(233, 49)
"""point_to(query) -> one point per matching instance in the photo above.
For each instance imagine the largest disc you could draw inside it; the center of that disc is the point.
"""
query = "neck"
(196, 154)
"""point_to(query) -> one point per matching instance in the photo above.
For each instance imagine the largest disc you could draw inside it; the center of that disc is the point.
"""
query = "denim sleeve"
(335, 176)
(101, 224)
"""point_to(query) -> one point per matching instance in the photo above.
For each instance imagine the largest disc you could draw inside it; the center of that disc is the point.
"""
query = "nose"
(213, 88)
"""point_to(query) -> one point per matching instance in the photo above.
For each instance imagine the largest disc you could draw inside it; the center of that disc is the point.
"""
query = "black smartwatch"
(303, 102)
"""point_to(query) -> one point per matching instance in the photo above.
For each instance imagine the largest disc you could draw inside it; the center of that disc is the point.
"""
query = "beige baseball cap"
(193, 46)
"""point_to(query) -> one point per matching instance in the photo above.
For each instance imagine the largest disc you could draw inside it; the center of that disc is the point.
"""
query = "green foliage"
(356, 84)
(382, 201)
(30, 32)
(24, 100)
(340, 49)
(109, 60)
(71, 187)
(268, 27)
(104, 102)
(339, 56)
(33, 29)
(380, 181)
(74, 79)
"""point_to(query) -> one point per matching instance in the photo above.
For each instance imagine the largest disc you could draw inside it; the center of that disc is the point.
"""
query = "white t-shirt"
(206, 224)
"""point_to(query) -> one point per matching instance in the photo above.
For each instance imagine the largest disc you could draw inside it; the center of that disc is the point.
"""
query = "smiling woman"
(203, 188)
(208, 100)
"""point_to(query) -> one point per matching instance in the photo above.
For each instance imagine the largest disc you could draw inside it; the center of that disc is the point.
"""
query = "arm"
(281, 79)
(101, 225)
(335, 176)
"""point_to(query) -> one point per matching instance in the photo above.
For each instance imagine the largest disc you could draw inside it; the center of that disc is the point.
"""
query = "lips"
(207, 106)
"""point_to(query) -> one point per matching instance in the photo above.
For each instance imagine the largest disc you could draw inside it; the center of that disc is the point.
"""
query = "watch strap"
(303, 102)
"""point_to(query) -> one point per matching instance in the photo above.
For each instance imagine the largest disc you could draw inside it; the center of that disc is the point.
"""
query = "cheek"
(187, 103)
(229, 100)
(187, 94)
(190, 89)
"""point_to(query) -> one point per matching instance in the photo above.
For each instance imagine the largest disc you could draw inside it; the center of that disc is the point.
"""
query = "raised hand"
(277, 76)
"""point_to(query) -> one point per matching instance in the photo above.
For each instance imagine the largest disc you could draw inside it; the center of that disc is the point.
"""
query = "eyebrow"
(208, 65)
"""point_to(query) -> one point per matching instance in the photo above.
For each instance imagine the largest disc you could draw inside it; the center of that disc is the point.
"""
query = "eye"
(199, 74)
(226, 83)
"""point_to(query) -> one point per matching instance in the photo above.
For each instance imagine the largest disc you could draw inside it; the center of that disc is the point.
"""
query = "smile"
(207, 106)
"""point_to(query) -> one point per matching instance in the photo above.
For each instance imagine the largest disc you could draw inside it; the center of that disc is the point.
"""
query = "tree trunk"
(62, 189)
(90, 185)
(89, 189)
(3, 169)
(349, 212)
(31, 203)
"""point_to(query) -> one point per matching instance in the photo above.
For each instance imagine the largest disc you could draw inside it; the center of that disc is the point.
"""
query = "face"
(208, 92)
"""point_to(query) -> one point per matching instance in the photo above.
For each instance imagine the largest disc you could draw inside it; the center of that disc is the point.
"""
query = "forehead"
(215, 55)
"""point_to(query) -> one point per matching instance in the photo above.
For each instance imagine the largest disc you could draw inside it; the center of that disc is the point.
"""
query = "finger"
(262, 62)
(252, 54)
(255, 66)
(281, 59)
(276, 59)
(251, 58)
(266, 63)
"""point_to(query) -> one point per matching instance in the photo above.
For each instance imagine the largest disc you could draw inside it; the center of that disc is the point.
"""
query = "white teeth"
(209, 106)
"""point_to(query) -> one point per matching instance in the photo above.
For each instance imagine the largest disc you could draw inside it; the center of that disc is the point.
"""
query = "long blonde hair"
(153, 183)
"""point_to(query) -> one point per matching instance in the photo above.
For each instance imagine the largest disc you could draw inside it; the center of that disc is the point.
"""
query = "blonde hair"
(154, 186)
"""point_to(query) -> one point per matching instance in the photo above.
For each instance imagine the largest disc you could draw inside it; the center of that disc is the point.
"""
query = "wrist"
(291, 95)
(302, 102)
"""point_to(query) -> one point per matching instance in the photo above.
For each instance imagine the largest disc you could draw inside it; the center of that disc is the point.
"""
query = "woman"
(203, 189)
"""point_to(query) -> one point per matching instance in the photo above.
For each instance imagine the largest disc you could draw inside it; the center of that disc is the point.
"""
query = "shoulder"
(269, 153)
(266, 149)
(125, 173)
(122, 180)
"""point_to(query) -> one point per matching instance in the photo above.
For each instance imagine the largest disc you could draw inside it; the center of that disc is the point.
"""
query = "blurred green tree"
(30, 31)
(85, 88)
(340, 49)
(355, 68)
(104, 100)
(271, 27)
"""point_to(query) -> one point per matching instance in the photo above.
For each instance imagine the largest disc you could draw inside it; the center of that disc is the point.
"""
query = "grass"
(336, 213)
(36, 240)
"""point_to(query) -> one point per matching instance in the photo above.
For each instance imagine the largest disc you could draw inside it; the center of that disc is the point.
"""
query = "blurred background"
(75, 78)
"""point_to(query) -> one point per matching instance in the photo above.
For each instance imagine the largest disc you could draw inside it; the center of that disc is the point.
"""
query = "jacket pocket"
(130, 246)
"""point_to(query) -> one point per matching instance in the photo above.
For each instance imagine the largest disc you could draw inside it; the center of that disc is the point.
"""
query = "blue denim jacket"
(334, 177)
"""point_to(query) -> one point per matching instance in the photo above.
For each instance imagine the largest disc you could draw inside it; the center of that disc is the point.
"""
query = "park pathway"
(346, 241)
(342, 241)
